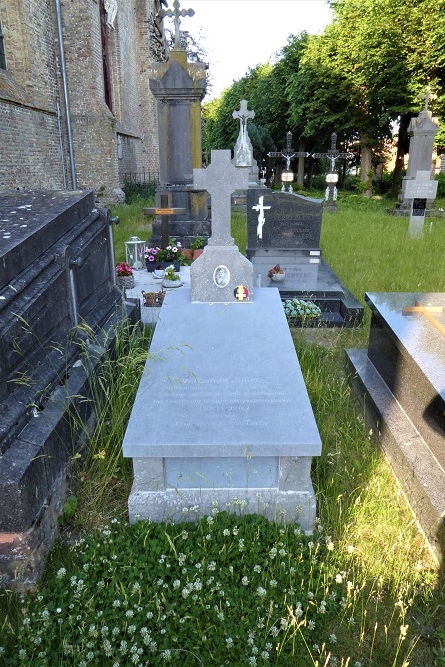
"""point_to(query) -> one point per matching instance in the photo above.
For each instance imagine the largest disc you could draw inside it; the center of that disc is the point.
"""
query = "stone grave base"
(308, 277)
(168, 488)
(402, 378)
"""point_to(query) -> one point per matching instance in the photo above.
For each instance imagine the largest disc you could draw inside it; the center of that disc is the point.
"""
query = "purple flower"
(151, 258)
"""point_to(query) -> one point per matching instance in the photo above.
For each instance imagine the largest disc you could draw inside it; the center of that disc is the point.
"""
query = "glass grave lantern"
(287, 176)
(134, 253)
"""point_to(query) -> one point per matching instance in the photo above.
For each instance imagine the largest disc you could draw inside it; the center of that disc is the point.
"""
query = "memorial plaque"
(282, 220)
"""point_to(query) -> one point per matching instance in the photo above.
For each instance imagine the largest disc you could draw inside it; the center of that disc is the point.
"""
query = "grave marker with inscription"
(222, 411)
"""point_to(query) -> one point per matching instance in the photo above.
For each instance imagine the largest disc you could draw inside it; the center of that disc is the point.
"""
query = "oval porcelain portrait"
(221, 276)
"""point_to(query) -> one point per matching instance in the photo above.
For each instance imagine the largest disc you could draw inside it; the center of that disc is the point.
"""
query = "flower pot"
(171, 283)
(125, 282)
(151, 266)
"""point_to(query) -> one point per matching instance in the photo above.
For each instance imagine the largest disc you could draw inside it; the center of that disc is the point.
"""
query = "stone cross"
(288, 153)
(176, 13)
(243, 148)
(220, 179)
(333, 154)
(427, 96)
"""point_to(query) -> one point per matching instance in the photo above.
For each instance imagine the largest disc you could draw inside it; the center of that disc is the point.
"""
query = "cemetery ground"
(233, 589)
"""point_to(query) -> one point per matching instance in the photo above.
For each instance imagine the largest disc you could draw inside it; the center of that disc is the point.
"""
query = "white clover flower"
(272, 583)
(273, 552)
(166, 655)
(265, 655)
(129, 613)
(338, 579)
(229, 642)
(226, 532)
(257, 568)
(274, 631)
(241, 545)
(235, 530)
(282, 552)
(311, 625)
(298, 612)
(149, 615)
(330, 546)
(261, 592)
(350, 549)
(310, 545)
(245, 581)
(252, 660)
(333, 638)
(61, 573)
(220, 616)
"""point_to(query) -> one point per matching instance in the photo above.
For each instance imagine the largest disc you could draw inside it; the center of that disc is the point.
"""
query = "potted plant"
(124, 276)
(172, 254)
(301, 313)
(276, 273)
(171, 279)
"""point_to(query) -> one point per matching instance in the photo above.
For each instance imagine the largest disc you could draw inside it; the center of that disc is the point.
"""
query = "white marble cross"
(261, 217)
(220, 179)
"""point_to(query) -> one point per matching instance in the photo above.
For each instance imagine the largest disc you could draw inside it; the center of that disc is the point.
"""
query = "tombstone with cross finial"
(179, 87)
(243, 151)
(332, 176)
(176, 13)
(221, 273)
(288, 154)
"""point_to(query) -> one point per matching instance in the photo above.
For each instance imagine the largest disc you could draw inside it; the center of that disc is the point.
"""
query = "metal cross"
(288, 153)
(333, 154)
(427, 96)
(176, 12)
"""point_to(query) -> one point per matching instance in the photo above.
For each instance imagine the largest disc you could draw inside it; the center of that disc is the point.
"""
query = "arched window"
(2, 49)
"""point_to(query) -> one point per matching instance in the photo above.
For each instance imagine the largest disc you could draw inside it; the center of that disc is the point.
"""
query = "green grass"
(362, 591)
(132, 222)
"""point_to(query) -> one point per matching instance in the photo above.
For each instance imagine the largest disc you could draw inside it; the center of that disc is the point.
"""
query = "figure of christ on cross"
(333, 154)
(220, 179)
(176, 13)
(288, 153)
(261, 217)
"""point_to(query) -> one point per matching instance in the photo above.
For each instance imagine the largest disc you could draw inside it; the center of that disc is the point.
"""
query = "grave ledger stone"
(402, 376)
(222, 411)
(57, 270)
(284, 228)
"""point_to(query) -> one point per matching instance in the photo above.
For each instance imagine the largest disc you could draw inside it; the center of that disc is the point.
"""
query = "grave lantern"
(134, 253)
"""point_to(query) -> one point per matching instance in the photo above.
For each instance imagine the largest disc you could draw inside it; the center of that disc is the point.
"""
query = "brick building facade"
(108, 127)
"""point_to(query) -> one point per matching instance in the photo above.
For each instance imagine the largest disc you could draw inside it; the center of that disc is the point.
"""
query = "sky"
(238, 34)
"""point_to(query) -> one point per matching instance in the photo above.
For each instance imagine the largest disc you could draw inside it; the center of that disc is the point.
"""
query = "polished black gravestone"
(402, 377)
(57, 271)
(284, 229)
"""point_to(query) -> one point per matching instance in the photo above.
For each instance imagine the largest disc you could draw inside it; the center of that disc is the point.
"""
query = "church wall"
(30, 153)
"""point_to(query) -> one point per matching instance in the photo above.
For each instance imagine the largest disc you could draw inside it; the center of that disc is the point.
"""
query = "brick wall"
(30, 154)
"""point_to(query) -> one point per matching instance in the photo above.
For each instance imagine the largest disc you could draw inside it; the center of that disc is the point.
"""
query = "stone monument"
(402, 378)
(284, 228)
(179, 87)
(57, 270)
(222, 416)
(419, 188)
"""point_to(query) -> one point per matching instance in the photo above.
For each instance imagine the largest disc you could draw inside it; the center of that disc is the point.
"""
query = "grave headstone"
(284, 228)
(221, 273)
(222, 414)
(402, 378)
(422, 131)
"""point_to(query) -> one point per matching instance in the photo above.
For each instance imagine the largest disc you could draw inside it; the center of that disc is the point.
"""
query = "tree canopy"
(361, 78)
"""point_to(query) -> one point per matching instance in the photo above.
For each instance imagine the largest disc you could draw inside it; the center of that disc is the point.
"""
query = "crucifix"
(220, 179)
(426, 311)
(176, 13)
(243, 147)
(164, 212)
(427, 96)
(288, 153)
(332, 176)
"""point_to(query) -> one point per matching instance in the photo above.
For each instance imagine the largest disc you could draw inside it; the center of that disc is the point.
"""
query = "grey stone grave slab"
(402, 376)
(222, 411)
